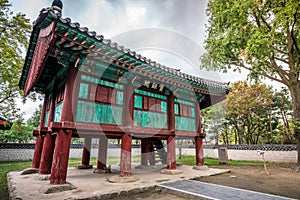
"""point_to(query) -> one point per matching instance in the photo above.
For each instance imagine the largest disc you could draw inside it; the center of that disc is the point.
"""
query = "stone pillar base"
(124, 179)
(84, 166)
(30, 171)
(203, 167)
(51, 188)
(171, 171)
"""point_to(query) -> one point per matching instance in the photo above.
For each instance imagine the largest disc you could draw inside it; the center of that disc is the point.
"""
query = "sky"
(171, 32)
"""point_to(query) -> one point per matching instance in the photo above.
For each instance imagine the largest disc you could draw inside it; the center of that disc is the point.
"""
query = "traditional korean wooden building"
(95, 88)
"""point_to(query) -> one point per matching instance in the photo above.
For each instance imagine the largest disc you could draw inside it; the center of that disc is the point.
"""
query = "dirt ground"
(283, 179)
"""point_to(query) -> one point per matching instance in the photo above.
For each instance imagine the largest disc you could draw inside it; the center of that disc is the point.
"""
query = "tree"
(18, 133)
(213, 118)
(34, 120)
(261, 36)
(247, 109)
(283, 108)
(14, 32)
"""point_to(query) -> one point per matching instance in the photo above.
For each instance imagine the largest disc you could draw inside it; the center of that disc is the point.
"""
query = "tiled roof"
(127, 51)
(50, 14)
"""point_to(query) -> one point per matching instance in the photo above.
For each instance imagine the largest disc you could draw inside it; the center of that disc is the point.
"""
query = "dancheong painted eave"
(87, 48)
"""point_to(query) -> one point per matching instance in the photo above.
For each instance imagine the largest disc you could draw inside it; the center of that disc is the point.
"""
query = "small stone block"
(50, 188)
(124, 179)
(146, 167)
(42, 177)
(85, 166)
(100, 171)
(161, 180)
(29, 171)
(171, 171)
(204, 167)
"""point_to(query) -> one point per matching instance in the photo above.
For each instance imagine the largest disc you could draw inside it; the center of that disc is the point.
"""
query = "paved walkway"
(213, 191)
(95, 186)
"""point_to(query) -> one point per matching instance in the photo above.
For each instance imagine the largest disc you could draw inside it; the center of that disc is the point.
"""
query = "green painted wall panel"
(83, 90)
(150, 94)
(119, 98)
(184, 102)
(103, 118)
(185, 124)
(46, 119)
(138, 101)
(57, 113)
(118, 114)
(150, 119)
(176, 109)
(99, 113)
(164, 107)
(102, 82)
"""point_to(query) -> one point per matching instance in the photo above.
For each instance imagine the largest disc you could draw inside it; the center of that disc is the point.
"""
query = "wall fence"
(272, 153)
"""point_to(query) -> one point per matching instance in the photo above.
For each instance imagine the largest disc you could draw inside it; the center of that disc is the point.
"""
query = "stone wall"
(251, 155)
(280, 153)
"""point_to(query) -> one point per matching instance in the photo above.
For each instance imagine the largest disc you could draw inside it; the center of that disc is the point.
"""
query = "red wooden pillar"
(171, 113)
(102, 152)
(47, 154)
(86, 153)
(198, 118)
(63, 139)
(49, 141)
(125, 165)
(144, 151)
(171, 153)
(198, 139)
(61, 155)
(38, 148)
(199, 151)
(129, 105)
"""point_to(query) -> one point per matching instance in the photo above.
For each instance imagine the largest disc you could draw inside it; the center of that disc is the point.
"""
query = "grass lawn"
(6, 167)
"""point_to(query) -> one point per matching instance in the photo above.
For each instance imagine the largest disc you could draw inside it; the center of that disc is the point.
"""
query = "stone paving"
(212, 191)
(95, 186)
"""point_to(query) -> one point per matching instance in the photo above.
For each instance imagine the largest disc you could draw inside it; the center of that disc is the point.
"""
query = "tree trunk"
(295, 93)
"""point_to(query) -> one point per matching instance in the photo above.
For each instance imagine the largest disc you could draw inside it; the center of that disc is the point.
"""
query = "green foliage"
(34, 120)
(14, 32)
(6, 167)
(251, 114)
(18, 133)
(214, 120)
(21, 132)
(260, 36)
(248, 109)
(282, 109)
(213, 162)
